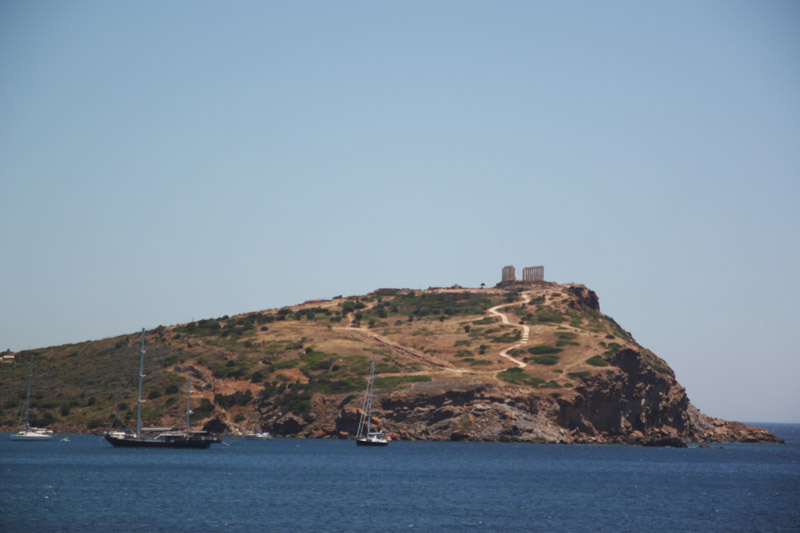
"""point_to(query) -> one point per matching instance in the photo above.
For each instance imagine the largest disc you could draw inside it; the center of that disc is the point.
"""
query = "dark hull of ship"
(198, 443)
(367, 442)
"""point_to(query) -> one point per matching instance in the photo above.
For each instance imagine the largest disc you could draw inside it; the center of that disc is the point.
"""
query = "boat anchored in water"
(257, 434)
(365, 436)
(166, 438)
(29, 433)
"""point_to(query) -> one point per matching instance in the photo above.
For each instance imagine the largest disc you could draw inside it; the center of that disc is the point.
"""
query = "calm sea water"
(316, 485)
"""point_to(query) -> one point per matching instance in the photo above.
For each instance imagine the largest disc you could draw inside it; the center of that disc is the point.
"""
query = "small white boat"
(258, 435)
(31, 433)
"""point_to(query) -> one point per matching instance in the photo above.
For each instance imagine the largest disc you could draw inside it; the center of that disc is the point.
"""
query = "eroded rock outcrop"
(633, 403)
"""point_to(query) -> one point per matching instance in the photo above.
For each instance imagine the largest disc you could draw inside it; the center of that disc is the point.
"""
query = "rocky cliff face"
(635, 404)
(587, 381)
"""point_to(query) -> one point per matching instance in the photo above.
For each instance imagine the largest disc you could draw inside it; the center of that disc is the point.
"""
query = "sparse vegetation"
(548, 316)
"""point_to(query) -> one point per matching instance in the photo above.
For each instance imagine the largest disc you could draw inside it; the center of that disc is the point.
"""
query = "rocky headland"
(521, 362)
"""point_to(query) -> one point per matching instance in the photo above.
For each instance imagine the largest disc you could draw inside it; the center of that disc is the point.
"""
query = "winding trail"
(525, 330)
(445, 366)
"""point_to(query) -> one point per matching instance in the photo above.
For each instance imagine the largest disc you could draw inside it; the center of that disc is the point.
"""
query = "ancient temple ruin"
(529, 275)
(533, 273)
(509, 274)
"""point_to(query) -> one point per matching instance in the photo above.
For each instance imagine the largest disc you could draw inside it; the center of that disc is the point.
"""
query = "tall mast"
(28, 399)
(188, 403)
(369, 387)
(139, 403)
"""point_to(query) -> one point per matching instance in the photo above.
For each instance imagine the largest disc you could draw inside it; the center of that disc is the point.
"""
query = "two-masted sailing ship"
(164, 437)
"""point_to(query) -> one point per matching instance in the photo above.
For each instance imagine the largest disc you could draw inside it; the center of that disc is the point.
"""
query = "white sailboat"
(365, 436)
(31, 433)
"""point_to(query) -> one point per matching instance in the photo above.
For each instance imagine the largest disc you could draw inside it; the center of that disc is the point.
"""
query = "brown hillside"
(532, 362)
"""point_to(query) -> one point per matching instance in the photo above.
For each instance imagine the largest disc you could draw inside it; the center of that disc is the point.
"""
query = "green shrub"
(297, 400)
(386, 368)
(566, 339)
(613, 349)
(226, 401)
(549, 316)
(437, 304)
(567, 343)
(231, 369)
(597, 360)
(581, 374)
(508, 337)
(315, 360)
(543, 350)
(202, 411)
(544, 359)
(518, 377)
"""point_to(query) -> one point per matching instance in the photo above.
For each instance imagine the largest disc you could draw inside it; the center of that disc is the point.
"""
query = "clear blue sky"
(168, 161)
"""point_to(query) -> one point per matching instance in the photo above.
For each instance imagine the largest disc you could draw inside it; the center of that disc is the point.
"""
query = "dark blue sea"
(324, 485)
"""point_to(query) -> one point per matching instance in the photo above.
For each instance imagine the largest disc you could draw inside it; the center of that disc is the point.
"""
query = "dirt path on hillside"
(446, 366)
(391, 345)
(525, 329)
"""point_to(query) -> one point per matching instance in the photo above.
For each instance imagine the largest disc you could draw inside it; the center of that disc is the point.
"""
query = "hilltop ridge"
(529, 361)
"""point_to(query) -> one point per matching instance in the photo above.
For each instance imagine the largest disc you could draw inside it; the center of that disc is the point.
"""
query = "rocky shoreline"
(635, 405)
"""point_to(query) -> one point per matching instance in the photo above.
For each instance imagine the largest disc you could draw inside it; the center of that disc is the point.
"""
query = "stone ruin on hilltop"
(529, 275)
